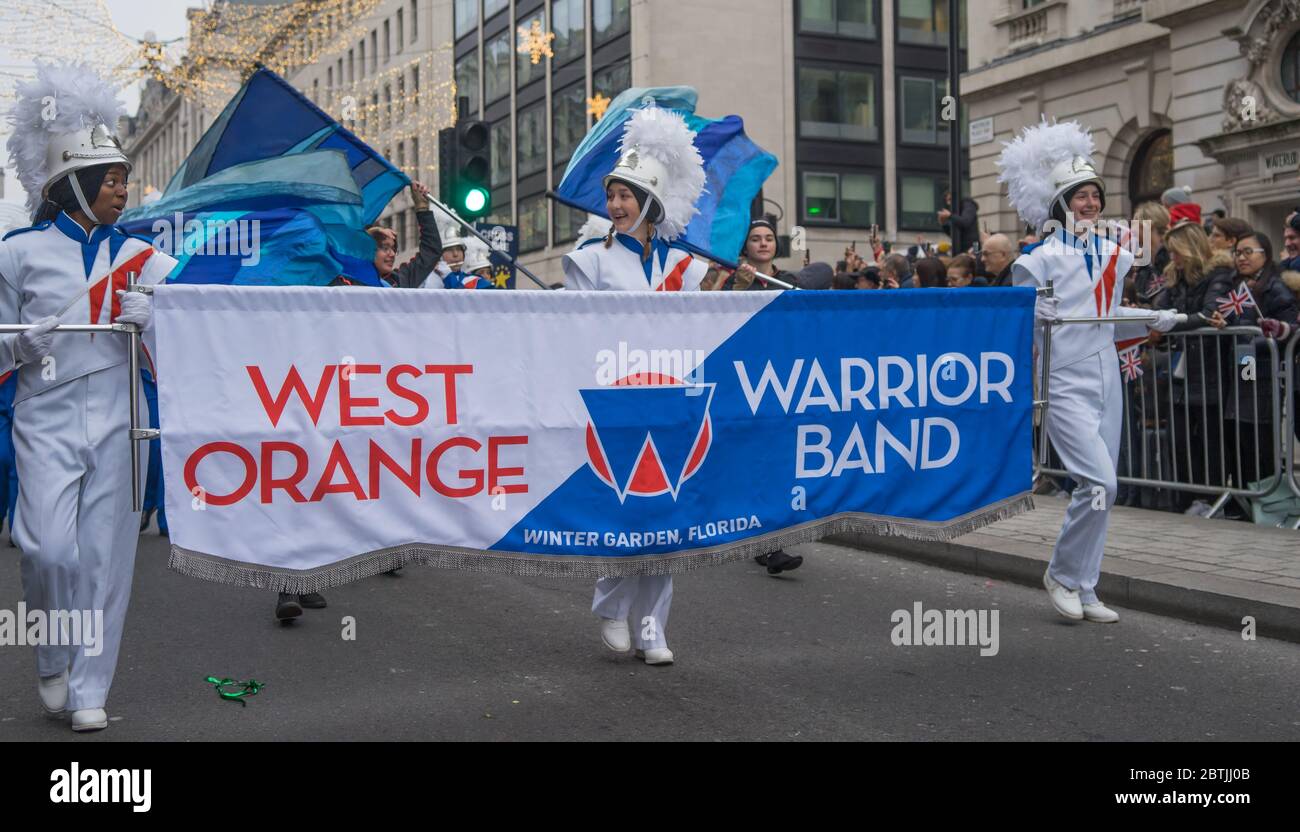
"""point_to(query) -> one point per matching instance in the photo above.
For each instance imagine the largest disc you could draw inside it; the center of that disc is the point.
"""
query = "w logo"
(648, 433)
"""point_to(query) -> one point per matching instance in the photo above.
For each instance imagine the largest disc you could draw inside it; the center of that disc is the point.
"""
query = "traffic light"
(464, 165)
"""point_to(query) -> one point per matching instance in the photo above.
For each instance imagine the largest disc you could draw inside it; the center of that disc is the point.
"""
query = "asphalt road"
(442, 655)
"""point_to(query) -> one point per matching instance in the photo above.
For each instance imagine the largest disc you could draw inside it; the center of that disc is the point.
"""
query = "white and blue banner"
(314, 436)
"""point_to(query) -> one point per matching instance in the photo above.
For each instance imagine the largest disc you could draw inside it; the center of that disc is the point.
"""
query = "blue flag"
(735, 169)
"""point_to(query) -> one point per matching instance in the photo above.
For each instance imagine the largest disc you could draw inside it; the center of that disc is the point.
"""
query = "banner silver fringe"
(238, 573)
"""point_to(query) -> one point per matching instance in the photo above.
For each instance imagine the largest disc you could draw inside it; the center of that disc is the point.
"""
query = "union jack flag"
(1130, 363)
(1237, 301)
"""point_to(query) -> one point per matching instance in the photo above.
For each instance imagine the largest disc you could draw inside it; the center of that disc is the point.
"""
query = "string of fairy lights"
(408, 100)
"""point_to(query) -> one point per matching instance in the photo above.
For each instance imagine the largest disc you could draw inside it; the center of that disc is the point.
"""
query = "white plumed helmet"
(658, 155)
(63, 122)
(1042, 164)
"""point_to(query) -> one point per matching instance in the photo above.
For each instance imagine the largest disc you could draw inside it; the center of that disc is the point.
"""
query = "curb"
(1192, 596)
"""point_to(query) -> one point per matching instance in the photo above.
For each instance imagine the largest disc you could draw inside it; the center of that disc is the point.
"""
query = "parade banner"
(315, 436)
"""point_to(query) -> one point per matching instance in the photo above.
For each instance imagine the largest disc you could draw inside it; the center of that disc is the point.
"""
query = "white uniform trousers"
(1084, 421)
(642, 601)
(74, 522)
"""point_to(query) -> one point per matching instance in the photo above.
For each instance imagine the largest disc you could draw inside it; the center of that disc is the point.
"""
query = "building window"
(374, 50)
(612, 80)
(501, 153)
(525, 70)
(415, 20)
(568, 221)
(467, 82)
(466, 12)
(848, 199)
(1291, 68)
(570, 30)
(491, 7)
(361, 56)
(1152, 171)
(401, 29)
(919, 110)
(846, 18)
(532, 223)
(388, 43)
(496, 72)
(315, 90)
(415, 155)
(923, 22)
(532, 139)
(569, 120)
(837, 104)
(919, 201)
(609, 19)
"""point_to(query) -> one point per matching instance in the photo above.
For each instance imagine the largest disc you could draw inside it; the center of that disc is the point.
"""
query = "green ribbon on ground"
(241, 689)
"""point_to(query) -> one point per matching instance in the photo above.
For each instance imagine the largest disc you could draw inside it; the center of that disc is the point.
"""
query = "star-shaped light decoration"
(597, 105)
(536, 42)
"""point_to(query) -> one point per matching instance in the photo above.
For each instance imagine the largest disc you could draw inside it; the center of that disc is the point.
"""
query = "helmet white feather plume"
(662, 136)
(77, 98)
(1027, 162)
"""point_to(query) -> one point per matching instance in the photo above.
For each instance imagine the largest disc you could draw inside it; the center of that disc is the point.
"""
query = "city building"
(846, 93)
(1203, 93)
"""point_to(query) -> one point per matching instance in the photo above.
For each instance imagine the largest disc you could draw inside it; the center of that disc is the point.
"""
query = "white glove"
(1047, 308)
(33, 344)
(1167, 319)
(136, 308)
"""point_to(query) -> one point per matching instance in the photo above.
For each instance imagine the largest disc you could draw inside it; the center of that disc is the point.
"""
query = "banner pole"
(471, 229)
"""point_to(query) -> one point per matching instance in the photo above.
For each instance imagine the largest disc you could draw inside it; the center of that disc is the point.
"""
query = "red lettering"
(292, 383)
(449, 372)
(475, 476)
(421, 404)
(347, 402)
(250, 472)
(338, 460)
(290, 483)
(495, 473)
(410, 478)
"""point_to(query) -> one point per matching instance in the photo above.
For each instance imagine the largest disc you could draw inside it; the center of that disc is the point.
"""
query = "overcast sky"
(165, 18)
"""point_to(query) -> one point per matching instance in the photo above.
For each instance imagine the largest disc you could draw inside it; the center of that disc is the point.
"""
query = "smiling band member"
(74, 524)
(1053, 185)
(650, 197)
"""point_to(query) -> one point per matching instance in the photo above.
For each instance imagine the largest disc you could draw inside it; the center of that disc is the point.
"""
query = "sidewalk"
(1209, 571)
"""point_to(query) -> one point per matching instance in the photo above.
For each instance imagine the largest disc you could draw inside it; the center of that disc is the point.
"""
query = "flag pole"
(480, 237)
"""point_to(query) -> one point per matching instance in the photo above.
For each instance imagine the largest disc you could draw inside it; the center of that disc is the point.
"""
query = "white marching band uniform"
(658, 156)
(74, 525)
(1042, 168)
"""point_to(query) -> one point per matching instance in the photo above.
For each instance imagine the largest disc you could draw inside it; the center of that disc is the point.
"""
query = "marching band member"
(475, 269)
(75, 524)
(650, 197)
(1053, 185)
(453, 255)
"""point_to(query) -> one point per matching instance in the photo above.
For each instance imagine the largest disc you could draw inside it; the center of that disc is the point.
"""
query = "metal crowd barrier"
(1198, 418)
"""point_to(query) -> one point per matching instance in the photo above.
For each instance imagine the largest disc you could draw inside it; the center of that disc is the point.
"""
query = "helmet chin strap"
(645, 209)
(81, 198)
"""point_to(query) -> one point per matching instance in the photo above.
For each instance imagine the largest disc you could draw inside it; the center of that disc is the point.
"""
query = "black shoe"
(312, 601)
(779, 562)
(761, 560)
(287, 608)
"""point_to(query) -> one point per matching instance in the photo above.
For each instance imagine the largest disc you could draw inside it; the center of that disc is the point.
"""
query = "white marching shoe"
(1100, 613)
(89, 719)
(54, 693)
(1066, 601)
(656, 655)
(615, 635)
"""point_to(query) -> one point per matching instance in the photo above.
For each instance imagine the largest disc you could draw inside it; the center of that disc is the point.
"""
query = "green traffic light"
(475, 200)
